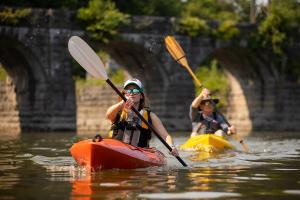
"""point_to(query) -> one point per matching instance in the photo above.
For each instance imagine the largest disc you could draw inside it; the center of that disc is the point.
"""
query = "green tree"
(277, 32)
(214, 79)
(150, 7)
(102, 19)
(3, 73)
(13, 16)
(227, 30)
(281, 27)
(211, 10)
(197, 14)
(67, 4)
(193, 26)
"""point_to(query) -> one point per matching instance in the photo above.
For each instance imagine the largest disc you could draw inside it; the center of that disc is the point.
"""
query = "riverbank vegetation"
(12, 16)
(3, 73)
(213, 77)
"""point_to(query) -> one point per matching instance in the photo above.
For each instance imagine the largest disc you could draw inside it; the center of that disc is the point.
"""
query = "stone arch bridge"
(41, 95)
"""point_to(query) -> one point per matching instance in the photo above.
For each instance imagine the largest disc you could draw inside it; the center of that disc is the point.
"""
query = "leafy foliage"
(210, 10)
(150, 7)
(3, 73)
(193, 26)
(102, 19)
(227, 30)
(213, 78)
(70, 4)
(281, 25)
(197, 14)
(13, 16)
(117, 76)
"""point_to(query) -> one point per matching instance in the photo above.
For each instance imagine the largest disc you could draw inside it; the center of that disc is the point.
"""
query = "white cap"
(135, 82)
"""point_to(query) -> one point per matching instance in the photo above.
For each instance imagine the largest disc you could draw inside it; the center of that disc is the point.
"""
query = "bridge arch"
(26, 77)
(41, 83)
(253, 99)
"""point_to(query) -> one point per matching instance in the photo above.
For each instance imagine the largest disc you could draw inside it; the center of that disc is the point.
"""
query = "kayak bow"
(111, 153)
(206, 143)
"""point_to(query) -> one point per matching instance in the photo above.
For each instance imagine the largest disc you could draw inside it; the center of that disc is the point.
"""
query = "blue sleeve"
(193, 113)
(224, 126)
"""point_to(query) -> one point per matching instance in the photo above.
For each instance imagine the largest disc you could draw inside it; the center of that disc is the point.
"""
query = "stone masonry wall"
(9, 112)
(92, 103)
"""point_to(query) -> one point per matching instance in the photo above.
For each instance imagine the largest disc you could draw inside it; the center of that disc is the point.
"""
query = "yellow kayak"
(206, 143)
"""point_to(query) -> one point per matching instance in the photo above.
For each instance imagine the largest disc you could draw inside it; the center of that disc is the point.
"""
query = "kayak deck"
(206, 143)
(111, 153)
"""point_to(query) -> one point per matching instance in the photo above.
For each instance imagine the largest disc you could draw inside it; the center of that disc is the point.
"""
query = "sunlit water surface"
(39, 166)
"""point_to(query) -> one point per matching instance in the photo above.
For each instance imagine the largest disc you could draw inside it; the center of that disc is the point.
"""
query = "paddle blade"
(87, 57)
(241, 141)
(245, 147)
(175, 50)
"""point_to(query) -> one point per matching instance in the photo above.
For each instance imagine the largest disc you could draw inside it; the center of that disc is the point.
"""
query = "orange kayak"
(111, 153)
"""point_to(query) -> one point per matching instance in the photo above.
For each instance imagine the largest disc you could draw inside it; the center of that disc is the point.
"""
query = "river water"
(39, 166)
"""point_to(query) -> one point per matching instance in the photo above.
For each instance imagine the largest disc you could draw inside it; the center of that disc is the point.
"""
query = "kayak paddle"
(178, 54)
(91, 62)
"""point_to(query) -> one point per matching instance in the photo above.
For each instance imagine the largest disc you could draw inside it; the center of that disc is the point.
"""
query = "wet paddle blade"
(86, 57)
(175, 50)
(244, 145)
(178, 54)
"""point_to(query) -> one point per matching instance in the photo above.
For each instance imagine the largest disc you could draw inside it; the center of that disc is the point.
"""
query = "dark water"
(39, 166)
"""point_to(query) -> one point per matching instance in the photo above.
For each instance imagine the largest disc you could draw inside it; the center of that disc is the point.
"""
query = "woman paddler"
(127, 127)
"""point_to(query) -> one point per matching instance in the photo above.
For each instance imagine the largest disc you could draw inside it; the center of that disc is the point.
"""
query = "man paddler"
(205, 119)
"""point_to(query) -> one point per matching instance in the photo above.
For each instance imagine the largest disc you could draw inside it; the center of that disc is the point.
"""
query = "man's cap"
(208, 98)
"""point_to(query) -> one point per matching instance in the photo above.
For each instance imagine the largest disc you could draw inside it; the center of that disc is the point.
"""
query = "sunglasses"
(132, 91)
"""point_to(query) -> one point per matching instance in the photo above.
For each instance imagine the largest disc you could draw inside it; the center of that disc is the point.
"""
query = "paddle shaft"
(145, 121)
(193, 76)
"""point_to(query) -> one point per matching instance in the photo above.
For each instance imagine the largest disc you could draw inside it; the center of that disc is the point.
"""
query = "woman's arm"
(113, 110)
(161, 130)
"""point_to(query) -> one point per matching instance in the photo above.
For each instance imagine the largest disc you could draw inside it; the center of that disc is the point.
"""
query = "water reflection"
(120, 184)
(153, 183)
(189, 195)
(39, 166)
(205, 156)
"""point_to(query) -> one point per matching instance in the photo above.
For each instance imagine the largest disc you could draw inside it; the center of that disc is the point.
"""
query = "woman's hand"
(128, 104)
(174, 151)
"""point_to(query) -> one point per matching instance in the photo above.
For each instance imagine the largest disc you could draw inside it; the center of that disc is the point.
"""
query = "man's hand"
(204, 93)
(231, 130)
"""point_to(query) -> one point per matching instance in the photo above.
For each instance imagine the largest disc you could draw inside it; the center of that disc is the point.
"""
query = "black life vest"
(209, 124)
(134, 132)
